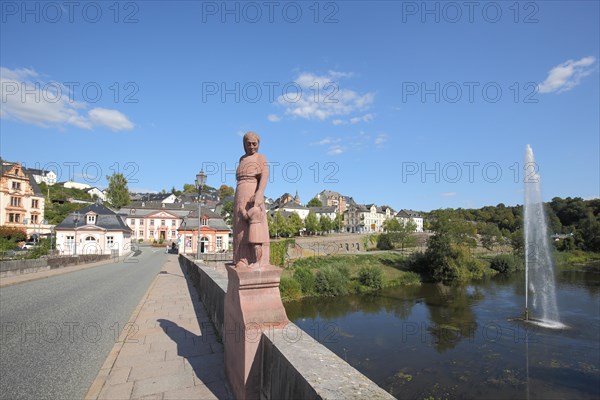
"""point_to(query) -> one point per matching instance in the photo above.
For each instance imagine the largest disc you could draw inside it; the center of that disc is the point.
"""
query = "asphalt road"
(55, 333)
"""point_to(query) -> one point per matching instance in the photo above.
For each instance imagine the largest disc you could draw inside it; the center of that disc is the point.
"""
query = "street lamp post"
(51, 240)
(200, 181)
(76, 218)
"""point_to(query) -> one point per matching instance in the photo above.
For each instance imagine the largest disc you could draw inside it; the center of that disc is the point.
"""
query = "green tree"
(189, 188)
(315, 202)
(311, 223)
(399, 233)
(391, 225)
(447, 256)
(517, 241)
(294, 224)
(404, 235)
(175, 191)
(227, 211)
(277, 225)
(325, 224)
(338, 222)
(117, 192)
(225, 191)
(490, 235)
(16, 234)
(590, 232)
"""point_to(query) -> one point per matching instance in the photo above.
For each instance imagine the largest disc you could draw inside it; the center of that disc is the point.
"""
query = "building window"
(132, 222)
(15, 201)
(91, 219)
(204, 221)
(34, 219)
(35, 203)
(110, 240)
(141, 222)
(90, 239)
(151, 233)
(162, 222)
(141, 234)
(16, 185)
(151, 222)
(172, 234)
(172, 222)
(219, 243)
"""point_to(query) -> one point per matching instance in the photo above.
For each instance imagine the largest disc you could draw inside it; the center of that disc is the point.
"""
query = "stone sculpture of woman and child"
(250, 227)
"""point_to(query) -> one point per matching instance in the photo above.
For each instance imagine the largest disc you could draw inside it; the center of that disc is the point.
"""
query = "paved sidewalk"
(170, 352)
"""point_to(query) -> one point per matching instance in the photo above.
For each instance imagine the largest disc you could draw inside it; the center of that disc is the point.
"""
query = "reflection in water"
(459, 341)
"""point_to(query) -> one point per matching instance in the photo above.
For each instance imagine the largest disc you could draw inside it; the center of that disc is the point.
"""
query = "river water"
(435, 341)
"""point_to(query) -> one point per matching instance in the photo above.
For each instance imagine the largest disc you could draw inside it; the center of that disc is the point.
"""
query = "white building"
(94, 191)
(152, 220)
(292, 207)
(366, 218)
(404, 216)
(41, 175)
(94, 229)
(75, 185)
(330, 212)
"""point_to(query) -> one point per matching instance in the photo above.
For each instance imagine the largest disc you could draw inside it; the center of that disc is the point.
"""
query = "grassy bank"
(344, 274)
(577, 260)
(347, 274)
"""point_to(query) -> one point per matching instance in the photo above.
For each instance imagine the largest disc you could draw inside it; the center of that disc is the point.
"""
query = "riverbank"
(336, 275)
(346, 274)
(577, 260)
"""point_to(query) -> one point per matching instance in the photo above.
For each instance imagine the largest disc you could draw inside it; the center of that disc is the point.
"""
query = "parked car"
(28, 246)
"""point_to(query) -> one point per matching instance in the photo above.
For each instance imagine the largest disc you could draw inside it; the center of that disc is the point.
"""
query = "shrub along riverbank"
(357, 274)
(577, 260)
(344, 274)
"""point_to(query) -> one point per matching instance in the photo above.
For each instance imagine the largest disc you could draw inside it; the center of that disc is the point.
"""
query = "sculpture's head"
(251, 143)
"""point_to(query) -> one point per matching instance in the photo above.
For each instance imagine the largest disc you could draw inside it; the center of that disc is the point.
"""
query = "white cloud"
(336, 150)
(328, 140)
(567, 75)
(113, 119)
(357, 142)
(381, 139)
(338, 74)
(321, 97)
(364, 118)
(448, 194)
(354, 120)
(273, 118)
(26, 98)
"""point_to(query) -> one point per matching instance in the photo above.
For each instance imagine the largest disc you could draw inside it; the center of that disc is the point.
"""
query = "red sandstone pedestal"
(252, 305)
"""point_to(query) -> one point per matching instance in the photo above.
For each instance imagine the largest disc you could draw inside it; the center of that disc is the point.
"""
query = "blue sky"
(411, 104)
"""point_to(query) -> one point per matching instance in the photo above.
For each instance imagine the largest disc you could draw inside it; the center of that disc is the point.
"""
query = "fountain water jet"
(539, 266)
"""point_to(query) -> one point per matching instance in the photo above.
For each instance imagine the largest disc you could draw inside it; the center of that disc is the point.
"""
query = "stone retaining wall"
(294, 365)
(20, 267)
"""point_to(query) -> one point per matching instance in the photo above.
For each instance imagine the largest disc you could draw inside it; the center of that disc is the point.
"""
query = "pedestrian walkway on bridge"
(169, 349)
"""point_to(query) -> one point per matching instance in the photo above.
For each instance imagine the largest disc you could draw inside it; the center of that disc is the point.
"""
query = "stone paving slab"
(170, 352)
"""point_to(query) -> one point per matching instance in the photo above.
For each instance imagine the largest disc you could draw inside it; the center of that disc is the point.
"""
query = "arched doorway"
(90, 246)
(204, 244)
